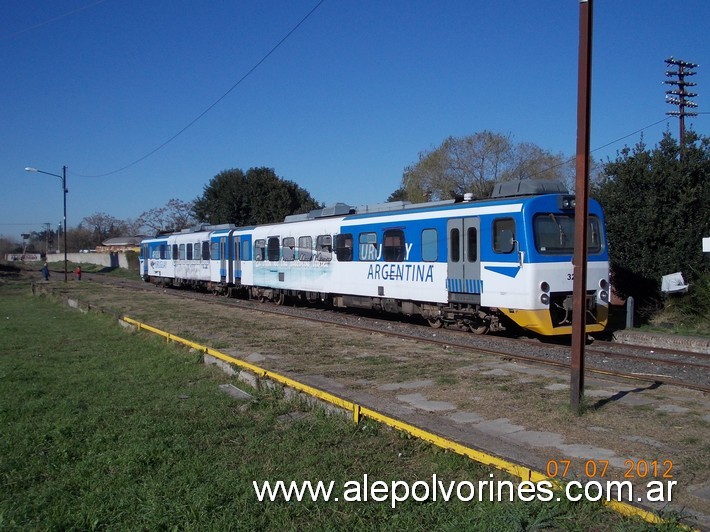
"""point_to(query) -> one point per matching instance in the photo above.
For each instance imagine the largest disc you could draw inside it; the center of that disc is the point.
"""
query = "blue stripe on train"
(468, 286)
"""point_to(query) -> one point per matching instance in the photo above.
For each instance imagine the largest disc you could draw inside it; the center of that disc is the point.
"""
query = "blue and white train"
(481, 264)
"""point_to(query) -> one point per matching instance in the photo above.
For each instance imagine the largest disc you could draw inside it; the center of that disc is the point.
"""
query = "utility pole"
(581, 211)
(679, 96)
(47, 229)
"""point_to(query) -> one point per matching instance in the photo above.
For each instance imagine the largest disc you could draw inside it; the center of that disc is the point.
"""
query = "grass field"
(106, 430)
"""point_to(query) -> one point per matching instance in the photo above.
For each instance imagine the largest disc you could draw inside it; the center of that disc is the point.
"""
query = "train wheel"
(479, 328)
(280, 299)
(435, 323)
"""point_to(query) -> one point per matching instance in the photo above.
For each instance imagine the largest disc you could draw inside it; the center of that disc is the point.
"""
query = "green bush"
(689, 312)
(132, 260)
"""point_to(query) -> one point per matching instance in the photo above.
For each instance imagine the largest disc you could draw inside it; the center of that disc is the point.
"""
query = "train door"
(144, 253)
(223, 259)
(237, 260)
(464, 260)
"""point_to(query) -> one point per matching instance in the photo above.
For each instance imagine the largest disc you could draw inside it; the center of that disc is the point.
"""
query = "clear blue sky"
(341, 107)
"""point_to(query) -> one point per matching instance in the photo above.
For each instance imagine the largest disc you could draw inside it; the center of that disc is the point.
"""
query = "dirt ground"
(480, 399)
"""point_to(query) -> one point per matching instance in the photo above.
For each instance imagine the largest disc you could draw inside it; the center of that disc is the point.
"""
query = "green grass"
(57, 269)
(105, 430)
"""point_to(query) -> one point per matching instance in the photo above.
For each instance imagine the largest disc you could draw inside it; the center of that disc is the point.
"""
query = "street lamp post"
(63, 177)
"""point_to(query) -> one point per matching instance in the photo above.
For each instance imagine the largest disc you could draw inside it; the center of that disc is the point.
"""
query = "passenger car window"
(472, 244)
(368, 246)
(288, 251)
(455, 245)
(429, 245)
(344, 247)
(393, 246)
(259, 249)
(305, 248)
(272, 248)
(246, 250)
(324, 247)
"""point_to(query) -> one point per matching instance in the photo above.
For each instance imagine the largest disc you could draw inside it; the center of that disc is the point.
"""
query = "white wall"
(102, 259)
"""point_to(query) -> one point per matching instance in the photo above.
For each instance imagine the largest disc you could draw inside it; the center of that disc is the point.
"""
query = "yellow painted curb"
(522, 472)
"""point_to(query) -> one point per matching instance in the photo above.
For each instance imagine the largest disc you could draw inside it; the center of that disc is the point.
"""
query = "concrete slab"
(255, 357)
(409, 385)
(538, 438)
(465, 417)
(635, 400)
(499, 426)
(419, 401)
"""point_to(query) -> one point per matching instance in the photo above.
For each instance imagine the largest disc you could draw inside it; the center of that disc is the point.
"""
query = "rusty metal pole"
(581, 211)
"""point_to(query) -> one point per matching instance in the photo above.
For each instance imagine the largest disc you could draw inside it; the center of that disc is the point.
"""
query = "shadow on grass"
(621, 394)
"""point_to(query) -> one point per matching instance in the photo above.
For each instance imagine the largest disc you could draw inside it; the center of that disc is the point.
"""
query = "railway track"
(609, 359)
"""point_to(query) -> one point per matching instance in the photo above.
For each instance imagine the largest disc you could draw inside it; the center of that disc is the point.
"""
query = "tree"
(257, 197)
(174, 216)
(656, 207)
(474, 163)
(80, 237)
(9, 245)
(103, 226)
(398, 195)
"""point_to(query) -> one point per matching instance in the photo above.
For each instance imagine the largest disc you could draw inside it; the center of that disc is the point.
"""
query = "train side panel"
(155, 260)
(191, 256)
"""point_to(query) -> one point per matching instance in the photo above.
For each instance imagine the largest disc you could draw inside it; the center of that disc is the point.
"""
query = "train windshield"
(554, 234)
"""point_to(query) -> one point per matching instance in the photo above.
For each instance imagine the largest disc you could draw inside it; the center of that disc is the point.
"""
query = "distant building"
(120, 244)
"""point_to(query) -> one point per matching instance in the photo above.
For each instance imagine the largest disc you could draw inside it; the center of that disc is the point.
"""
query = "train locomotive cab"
(154, 260)
(525, 266)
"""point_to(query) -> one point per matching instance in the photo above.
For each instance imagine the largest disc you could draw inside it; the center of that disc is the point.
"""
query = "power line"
(21, 224)
(571, 159)
(214, 104)
(630, 135)
(59, 17)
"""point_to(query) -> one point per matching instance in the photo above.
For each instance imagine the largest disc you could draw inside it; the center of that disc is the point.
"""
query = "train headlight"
(604, 296)
(545, 296)
(604, 285)
(566, 202)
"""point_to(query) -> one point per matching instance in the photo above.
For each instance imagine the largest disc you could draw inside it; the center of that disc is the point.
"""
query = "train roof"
(503, 192)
